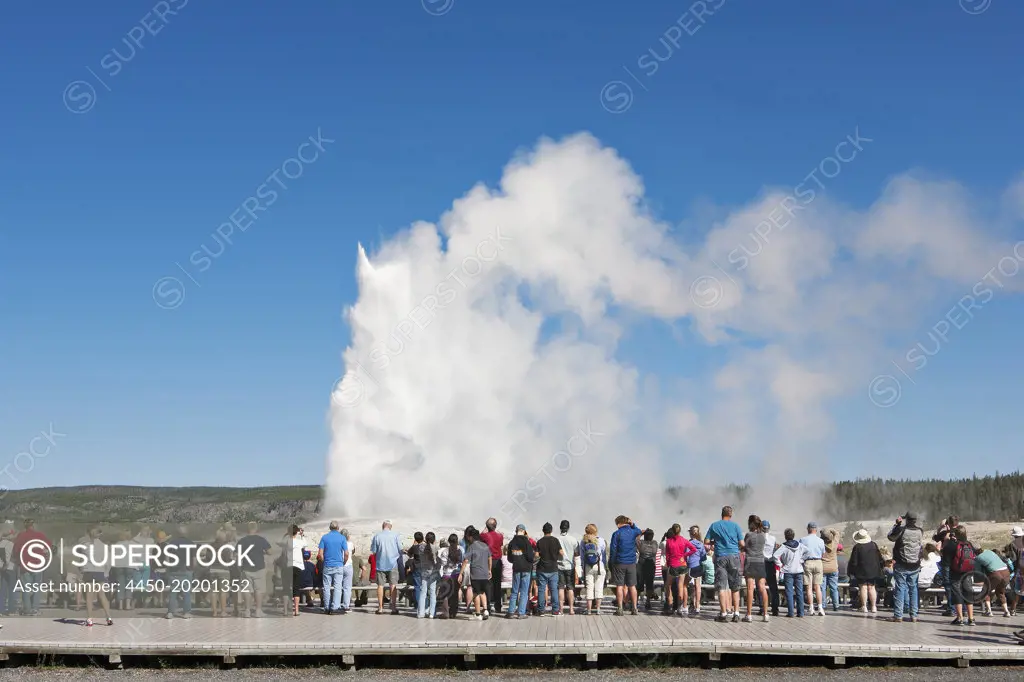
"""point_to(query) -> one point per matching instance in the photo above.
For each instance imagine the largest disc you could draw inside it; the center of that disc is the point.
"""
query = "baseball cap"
(520, 527)
(812, 524)
(766, 524)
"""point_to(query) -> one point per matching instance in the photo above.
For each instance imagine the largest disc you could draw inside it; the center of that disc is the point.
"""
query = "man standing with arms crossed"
(495, 541)
(622, 551)
(727, 537)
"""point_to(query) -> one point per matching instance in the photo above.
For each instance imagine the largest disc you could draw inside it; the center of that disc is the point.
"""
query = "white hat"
(861, 537)
(1017, 532)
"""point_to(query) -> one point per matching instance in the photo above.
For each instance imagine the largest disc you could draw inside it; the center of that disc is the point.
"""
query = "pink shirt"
(677, 549)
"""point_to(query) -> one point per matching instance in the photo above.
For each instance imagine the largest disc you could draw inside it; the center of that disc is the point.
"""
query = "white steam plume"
(482, 376)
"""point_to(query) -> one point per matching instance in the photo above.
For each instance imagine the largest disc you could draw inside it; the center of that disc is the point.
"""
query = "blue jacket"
(623, 546)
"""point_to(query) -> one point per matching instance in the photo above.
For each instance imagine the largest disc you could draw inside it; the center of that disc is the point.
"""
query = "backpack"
(963, 561)
(910, 546)
(591, 555)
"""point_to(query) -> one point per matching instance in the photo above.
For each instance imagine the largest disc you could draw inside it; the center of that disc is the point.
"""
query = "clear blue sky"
(232, 386)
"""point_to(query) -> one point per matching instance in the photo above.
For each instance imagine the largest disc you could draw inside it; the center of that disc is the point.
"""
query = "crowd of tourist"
(556, 574)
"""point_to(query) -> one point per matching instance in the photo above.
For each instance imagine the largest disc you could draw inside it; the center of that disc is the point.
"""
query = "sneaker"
(957, 621)
(479, 616)
(765, 618)
(874, 610)
(486, 615)
(170, 616)
(971, 622)
(486, 612)
(821, 611)
(508, 616)
(520, 616)
(748, 619)
(186, 615)
(736, 617)
(633, 611)
(618, 611)
(88, 622)
(894, 619)
(913, 619)
(722, 618)
(863, 609)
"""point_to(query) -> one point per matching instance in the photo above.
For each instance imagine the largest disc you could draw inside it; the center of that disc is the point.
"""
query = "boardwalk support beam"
(838, 661)
(228, 660)
(591, 660)
(114, 661)
(469, 660)
(714, 660)
(963, 662)
(349, 660)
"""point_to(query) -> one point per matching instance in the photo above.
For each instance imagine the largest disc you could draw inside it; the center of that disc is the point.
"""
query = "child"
(792, 556)
(707, 567)
(310, 578)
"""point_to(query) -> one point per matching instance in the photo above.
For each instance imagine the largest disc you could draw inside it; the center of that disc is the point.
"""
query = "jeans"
(520, 592)
(7, 581)
(547, 580)
(773, 585)
(346, 586)
(332, 587)
(427, 591)
(497, 570)
(905, 581)
(832, 588)
(30, 599)
(417, 583)
(645, 578)
(947, 588)
(186, 595)
(794, 583)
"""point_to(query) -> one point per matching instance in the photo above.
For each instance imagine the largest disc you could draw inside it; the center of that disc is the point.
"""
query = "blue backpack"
(591, 555)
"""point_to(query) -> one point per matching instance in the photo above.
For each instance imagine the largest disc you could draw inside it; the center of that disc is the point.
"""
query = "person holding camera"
(906, 556)
(944, 535)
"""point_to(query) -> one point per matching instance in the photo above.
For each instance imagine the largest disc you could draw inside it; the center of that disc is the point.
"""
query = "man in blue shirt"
(334, 553)
(622, 554)
(727, 537)
(813, 571)
(388, 550)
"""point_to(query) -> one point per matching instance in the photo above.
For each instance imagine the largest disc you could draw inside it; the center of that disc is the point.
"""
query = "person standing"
(567, 567)
(646, 563)
(622, 554)
(477, 564)
(430, 570)
(255, 548)
(943, 535)
(448, 591)
(906, 556)
(754, 568)
(830, 566)
(179, 574)
(94, 574)
(334, 553)
(770, 571)
(997, 571)
(865, 569)
(695, 563)
(347, 574)
(678, 551)
(960, 557)
(792, 556)
(813, 572)
(521, 554)
(388, 550)
(595, 567)
(727, 539)
(494, 541)
(549, 551)
(297, 563)
(30, 597)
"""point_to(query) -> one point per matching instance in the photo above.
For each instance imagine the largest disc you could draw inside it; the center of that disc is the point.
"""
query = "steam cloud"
(483, 379)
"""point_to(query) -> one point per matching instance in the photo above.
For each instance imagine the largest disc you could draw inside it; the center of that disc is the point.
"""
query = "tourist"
(708, 569)
(727, 538)
(448, 591)
(30, 597)
(622, 555)
(549, 552)
(646, 563)
(1015, 552)
(477, 563)
(678, 550)
(929, 565)
(94, 574)
(567, 567)
(943, 535)
(333, 551)
(906, 554)
(996, 569)
(830, 565)
(9, 572)
(793, 555)
(770, 567)
(695, 568)
(813, 572)
(520, 553)
(297, 563)
(360, 575)
(388, 550)
(179, 574)
(753, 568)
(412, 566)
(430, 570)
(494, 541)
(865, 568)
(959, 555)
(595, 568)
(661, 560)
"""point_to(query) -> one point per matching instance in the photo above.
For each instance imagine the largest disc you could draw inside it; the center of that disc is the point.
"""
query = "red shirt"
(494, 540)
(676, 551)
(24, 537)
(373, 567)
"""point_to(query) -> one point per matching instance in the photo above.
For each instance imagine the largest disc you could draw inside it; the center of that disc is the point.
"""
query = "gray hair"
(334, 525)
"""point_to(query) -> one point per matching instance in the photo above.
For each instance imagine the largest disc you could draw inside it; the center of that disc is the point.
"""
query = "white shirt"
(125, 561)
(929, 567)
(8, 547)
(297, 547)
(769, 545)
(96, 555)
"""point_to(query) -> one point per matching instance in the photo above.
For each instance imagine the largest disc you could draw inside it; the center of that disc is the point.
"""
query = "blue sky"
(231, 387)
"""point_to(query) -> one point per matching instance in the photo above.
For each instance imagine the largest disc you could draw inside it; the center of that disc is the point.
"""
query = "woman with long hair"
(450, 557)
(595, 567)
(696, 564)
(429, 568)
(754, 568)
(677, 552)
(295, 545)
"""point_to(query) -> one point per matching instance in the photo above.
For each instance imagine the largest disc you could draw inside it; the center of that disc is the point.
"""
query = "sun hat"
(861, 537)
(1017, 532)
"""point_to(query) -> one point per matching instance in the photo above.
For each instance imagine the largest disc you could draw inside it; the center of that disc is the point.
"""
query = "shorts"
(997, 581)
(813, 575)
(257, 581)
(389, 578)
(956, 591)
(697, 572)
(727, 573)
(480, 586)
(676, 571)
(624, 575)
(566, 579)
(94, 578)
(755, 569)
(219, 574)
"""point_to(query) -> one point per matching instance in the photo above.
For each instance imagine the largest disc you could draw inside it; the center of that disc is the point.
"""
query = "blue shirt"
(334, 546)
(727, 536)
(388, 549)
(623, 546)
(815, 546)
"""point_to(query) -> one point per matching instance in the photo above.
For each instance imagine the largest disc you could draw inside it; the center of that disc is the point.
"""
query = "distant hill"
(125, 504)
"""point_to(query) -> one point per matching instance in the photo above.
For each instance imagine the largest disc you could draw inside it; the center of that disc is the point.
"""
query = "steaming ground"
(483, 376)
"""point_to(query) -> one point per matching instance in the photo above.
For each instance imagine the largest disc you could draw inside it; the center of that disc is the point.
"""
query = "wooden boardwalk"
(839, 636)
